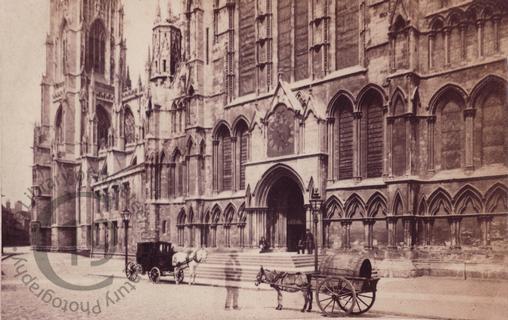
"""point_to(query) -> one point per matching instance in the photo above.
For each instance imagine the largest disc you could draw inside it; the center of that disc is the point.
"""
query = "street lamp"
(125, 217)
(315, 203)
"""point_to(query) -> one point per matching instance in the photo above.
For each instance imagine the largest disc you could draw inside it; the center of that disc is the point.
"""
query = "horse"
(190, 258)
(289, 282)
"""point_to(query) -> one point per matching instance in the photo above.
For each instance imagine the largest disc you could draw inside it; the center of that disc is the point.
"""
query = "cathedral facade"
(393, 112)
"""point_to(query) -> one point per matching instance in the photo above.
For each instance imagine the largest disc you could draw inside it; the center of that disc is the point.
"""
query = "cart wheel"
(364, 301)
(154, 275)
(132, 271)
(334, 294)
(178, 275)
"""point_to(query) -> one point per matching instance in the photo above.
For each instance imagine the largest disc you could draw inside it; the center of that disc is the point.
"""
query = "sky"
(23, 28)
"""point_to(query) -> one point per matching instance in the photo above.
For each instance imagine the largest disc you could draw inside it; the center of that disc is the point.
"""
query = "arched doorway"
(286, 214)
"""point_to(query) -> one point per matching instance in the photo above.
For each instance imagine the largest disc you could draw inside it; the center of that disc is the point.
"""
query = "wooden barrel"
(346, 265)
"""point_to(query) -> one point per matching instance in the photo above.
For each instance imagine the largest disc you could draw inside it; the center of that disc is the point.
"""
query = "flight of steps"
(243, 267)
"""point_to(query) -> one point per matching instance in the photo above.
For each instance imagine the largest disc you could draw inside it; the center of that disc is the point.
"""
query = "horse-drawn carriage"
(158, 259)
(343, 284)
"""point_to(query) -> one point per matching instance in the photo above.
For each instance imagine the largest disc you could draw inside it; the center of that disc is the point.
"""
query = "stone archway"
(279, 213)
(286, 214)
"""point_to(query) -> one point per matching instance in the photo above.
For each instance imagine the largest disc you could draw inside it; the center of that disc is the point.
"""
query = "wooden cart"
(344, 283)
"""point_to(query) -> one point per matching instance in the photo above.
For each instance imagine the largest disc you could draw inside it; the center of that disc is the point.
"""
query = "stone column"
(469, 132)
(447, 45)
(102, 235)
(496, 33)
(346, 225)
(408, 236)
(479, 32)
(106, 200)
(485, 223)
(463, 41)
(369, 238)
(235, 174)
(97, 207)
(331, 152)
(430, 147)
(215, 166)
(357, 152)
(432, 35)
(412, 49)
(428, 230)
(198, 238)
(391, 221)
(388, 163)
(453, 232)
(116, 196)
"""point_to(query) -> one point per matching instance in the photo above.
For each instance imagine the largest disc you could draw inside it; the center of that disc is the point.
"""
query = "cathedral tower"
(81, 89)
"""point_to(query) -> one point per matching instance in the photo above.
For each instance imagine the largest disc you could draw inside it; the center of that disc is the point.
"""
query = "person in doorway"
(263, 245)
(301, 246)
(309, 241)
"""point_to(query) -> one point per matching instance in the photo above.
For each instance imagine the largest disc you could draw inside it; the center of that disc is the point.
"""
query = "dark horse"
(289, 282)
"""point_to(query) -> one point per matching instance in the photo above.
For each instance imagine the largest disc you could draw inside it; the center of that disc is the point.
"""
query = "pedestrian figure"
(301, 246)
(309, 241)
(232, 275)
(263, 245)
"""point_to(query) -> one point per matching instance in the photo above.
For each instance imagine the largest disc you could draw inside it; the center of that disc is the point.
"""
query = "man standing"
(309, 241)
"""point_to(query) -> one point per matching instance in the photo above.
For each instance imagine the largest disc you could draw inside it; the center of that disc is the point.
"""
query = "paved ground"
(427, 298)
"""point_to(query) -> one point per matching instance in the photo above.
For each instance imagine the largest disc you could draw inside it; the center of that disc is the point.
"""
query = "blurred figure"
(301, 246)
(264, 246)
(232, 275)
(309, 241)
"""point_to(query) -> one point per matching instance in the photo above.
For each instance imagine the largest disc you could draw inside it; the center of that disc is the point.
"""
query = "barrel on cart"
(345, 283)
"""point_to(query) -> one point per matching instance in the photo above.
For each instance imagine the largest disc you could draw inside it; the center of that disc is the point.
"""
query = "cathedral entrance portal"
(286, 214)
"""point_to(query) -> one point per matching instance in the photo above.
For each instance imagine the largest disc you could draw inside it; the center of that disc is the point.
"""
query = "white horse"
(190, 258)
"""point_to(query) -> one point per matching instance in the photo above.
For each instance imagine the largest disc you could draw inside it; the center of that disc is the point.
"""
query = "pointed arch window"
(490, 124)
(343, 139)
(103, 125)
(129, 126)
(61, 53)
(449, 141)
(401, 44)
(223, 159)
(177, 172)
(190, 226)
(243, 145)
(399, 139)
(59, 131)
(437, 45)
(97, 47)
(180, 225)
(371, 135)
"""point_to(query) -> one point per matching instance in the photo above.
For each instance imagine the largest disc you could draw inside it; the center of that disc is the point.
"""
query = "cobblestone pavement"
(144, 300)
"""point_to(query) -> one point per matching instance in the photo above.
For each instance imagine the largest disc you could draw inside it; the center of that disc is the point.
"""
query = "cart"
(155, 259)
(344, 283)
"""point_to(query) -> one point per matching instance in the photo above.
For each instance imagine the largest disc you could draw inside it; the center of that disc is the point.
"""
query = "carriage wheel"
(178, 275)
(334, 294)
(154, 275)
(364, 301)
(132, 271)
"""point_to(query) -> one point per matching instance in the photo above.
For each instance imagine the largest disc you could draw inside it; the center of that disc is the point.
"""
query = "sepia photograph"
(254, 159)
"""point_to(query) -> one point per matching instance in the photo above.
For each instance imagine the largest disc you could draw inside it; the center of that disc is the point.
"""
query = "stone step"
(246, 265)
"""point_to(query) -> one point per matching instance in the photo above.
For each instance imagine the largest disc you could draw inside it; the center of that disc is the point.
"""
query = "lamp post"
(315, 203)
(125, 217)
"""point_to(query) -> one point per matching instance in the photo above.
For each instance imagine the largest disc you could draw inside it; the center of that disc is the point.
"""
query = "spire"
(170, 12)
(148, 60)
(128, 82)
(157, 13)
